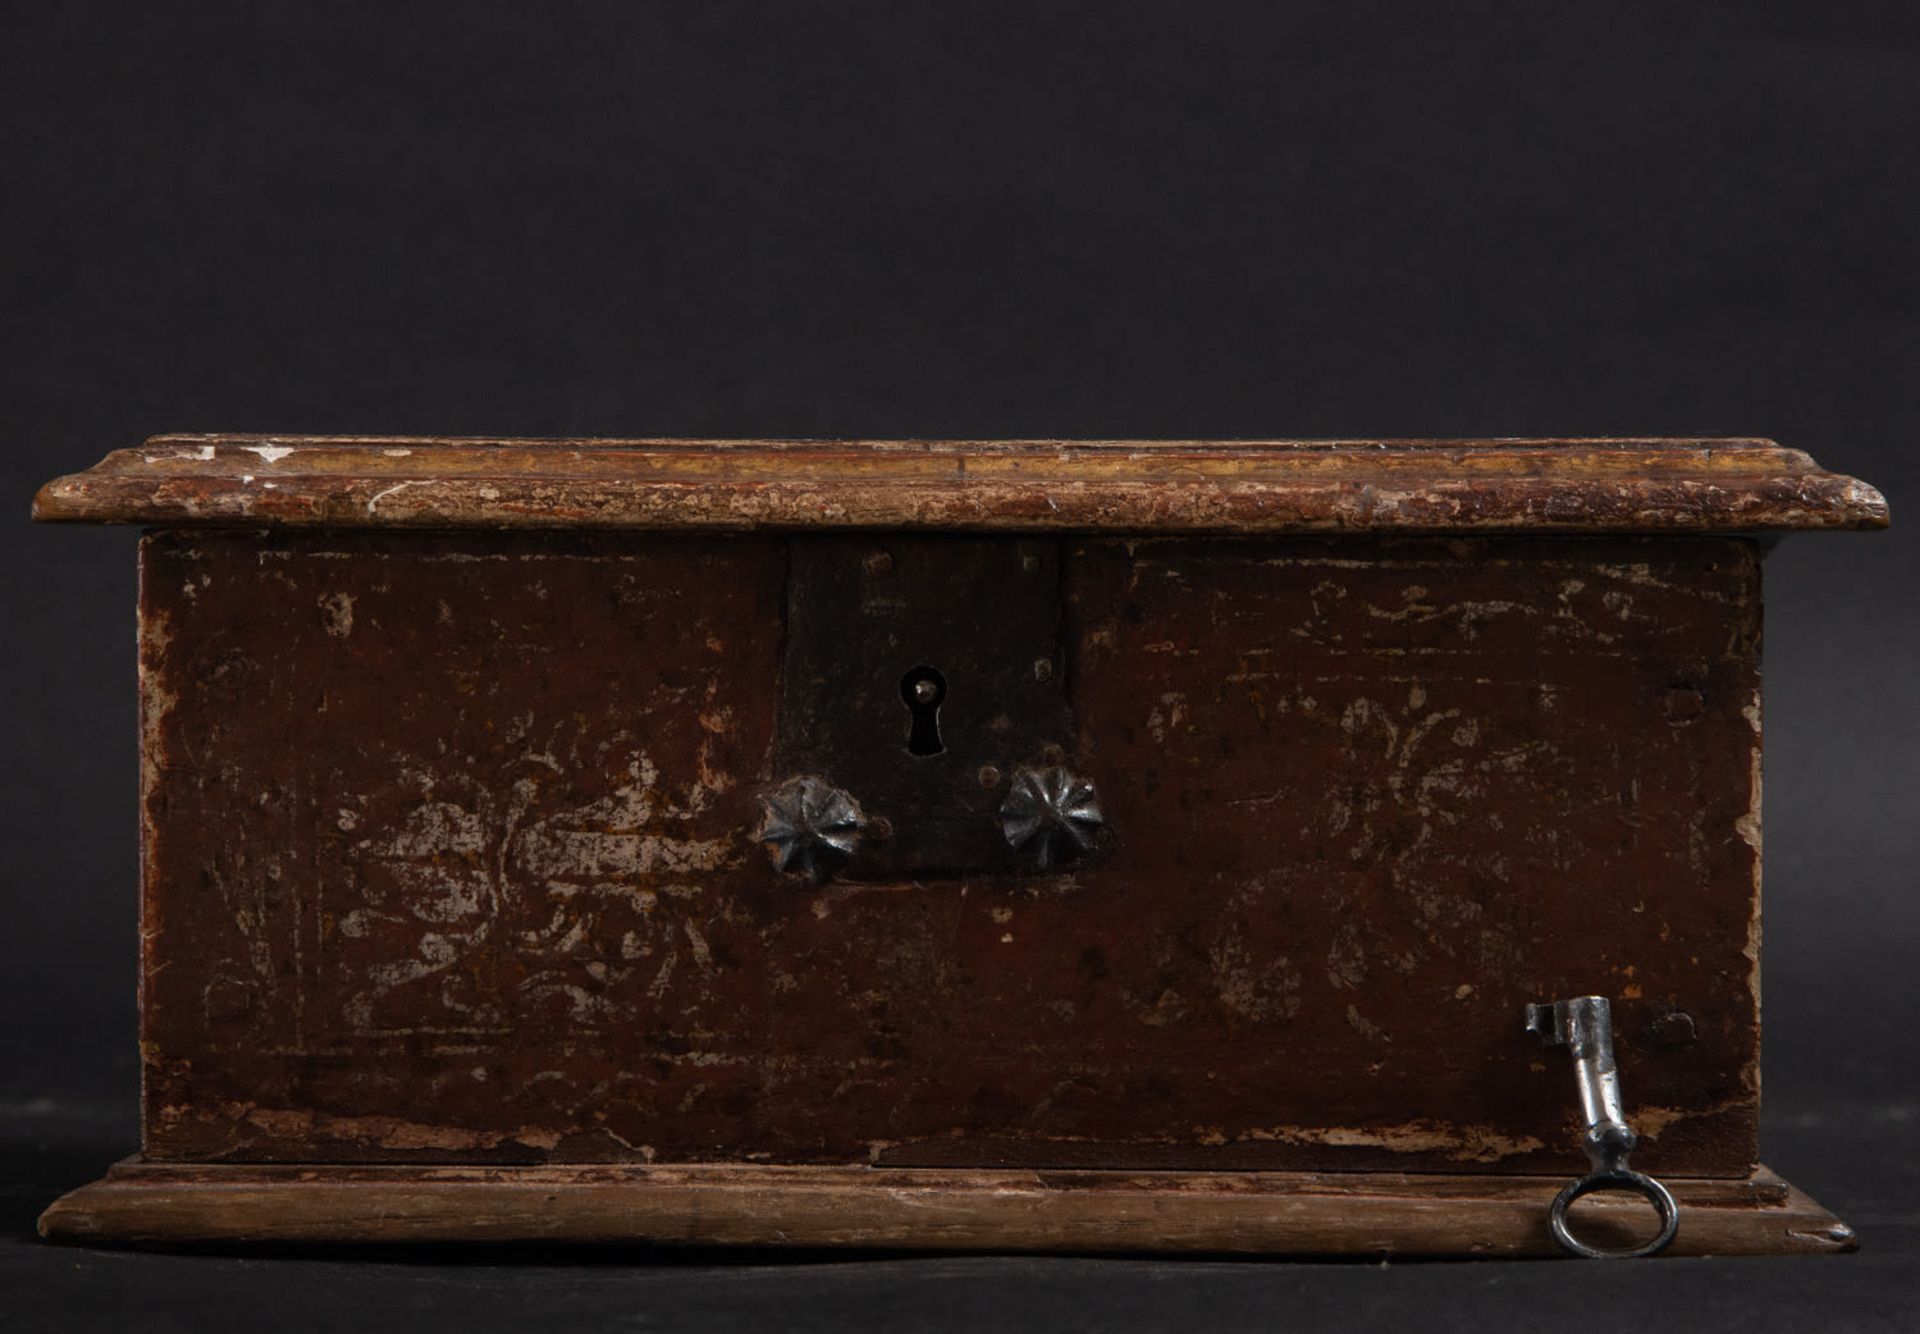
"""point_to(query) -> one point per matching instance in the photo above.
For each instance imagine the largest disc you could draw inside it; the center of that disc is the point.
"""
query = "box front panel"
(450, 855)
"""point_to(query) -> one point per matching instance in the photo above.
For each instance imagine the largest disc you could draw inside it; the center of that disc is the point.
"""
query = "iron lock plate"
(918, 674)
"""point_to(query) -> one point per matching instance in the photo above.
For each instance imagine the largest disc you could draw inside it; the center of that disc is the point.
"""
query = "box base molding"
(918, 1209)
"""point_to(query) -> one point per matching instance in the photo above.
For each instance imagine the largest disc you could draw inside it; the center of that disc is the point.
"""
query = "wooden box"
(1025, 845)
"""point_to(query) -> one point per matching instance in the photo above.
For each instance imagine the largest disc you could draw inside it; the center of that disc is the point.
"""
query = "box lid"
(1111, 486)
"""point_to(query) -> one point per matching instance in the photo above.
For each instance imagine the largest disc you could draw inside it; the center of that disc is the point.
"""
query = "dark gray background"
(969, 220)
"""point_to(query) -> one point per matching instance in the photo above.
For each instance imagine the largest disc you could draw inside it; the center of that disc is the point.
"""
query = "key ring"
(1615, 1179)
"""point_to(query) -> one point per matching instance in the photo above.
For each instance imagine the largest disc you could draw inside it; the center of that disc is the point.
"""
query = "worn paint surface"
(448, 857)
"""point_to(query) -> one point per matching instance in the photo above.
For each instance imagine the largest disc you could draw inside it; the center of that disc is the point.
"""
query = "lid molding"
(1033, 486)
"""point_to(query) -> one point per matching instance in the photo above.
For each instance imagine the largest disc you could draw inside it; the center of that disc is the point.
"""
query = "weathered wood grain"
(920, 1210)
(1160, 487)
(449, 857)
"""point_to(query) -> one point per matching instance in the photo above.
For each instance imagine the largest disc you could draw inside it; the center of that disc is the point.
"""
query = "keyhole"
(923, 688)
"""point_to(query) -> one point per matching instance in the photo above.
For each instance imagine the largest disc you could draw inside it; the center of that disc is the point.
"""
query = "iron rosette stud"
(811, 828)
(1051, 815)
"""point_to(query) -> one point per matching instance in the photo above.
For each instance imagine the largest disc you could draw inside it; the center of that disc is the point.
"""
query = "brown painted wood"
(1568, 486)
(921, 1210)
(449, 857)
